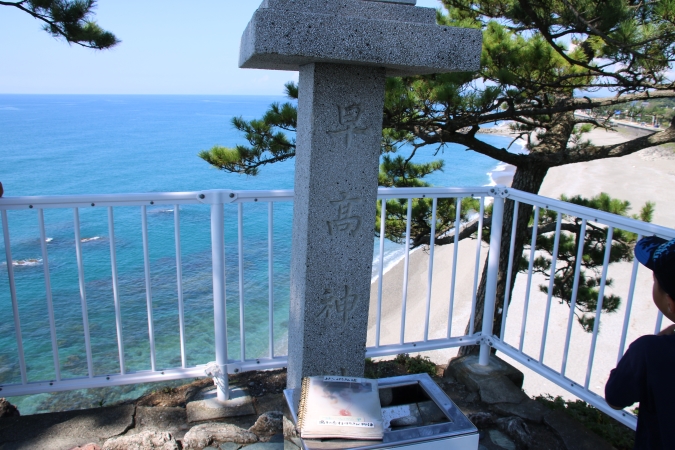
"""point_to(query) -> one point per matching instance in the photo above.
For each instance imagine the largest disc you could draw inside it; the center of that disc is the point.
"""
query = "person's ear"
(670, 303)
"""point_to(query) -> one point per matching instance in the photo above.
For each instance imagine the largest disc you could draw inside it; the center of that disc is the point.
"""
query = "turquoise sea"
(57, 145)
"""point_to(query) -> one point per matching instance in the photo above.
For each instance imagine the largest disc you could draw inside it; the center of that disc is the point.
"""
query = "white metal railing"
(512, 342)
(216, 199)
(445, 338)
(388, 335)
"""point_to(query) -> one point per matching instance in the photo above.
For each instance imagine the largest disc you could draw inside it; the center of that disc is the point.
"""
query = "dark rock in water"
(6, 408)
(2, 191)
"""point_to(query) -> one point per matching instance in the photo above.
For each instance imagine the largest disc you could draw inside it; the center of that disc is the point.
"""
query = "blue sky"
(168, 47)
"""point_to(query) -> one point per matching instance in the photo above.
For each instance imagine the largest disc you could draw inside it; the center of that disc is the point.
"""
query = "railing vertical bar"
(406, 268)
(270, 272)
(575, 292)
(179, 284)
(659, 321)
(83, 292)
(554, 263)
(148, 285)
(48, 290)
(15, 302)
(629, 306)
(598, 310)
(509, 272)
(432, 239)
(479, 240)
(219, 308)
(116, 290)
(383, 223)
(458, 216)
(492, 265)
(240, 239)
(533, 245)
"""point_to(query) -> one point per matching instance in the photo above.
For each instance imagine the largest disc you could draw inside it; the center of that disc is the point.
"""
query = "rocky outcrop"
(517, 430)
(146, 440)
(268, 425)
(91, 446)
(215, 434)
(6, 408)
(289, 429)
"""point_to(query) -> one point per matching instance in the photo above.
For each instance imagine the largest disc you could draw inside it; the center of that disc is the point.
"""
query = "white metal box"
(448, 429)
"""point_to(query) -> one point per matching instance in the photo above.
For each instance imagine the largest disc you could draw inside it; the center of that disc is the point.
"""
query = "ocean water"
(57, 145)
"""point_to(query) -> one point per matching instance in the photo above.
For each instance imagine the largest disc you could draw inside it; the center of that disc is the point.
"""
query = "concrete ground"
(175, 418)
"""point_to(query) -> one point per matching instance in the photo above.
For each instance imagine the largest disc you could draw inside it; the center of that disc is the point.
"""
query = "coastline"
(503, 173)
(643, 176)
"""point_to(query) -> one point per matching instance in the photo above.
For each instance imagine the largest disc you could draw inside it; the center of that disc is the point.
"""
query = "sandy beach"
(644, 176)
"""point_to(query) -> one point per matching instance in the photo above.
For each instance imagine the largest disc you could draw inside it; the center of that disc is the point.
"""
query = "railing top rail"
(67, 201)
(477, 191)
(613, 220)
(211, 196)
(241, 196)
(146, 198)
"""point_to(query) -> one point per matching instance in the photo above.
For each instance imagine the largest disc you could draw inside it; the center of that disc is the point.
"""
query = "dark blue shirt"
(646, 374)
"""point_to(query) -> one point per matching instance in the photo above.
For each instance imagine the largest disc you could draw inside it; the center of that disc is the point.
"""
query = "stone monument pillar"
(343, 49)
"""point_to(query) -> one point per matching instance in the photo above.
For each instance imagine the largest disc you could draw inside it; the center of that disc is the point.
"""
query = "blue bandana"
(658, 255)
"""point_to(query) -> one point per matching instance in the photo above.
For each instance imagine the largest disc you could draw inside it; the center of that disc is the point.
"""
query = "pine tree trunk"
(528, 179)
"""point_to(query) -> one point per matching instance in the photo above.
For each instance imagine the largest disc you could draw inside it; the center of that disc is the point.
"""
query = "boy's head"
(658, 255)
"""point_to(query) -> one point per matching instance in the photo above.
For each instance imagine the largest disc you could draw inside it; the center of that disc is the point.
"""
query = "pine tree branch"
(91, 36)
(500, 154)
(592, 153)
(597, 32)
(472, 228)
(575, 104)
(545, 32)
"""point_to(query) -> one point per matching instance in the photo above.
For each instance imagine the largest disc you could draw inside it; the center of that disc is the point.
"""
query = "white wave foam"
(391, 258)
(95, 238)
(502, 170)
(27, 262)
(49, 239)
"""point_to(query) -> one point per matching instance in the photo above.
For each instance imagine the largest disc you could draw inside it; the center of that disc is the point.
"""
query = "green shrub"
(401, 365)
(416, 364)
(617, 434)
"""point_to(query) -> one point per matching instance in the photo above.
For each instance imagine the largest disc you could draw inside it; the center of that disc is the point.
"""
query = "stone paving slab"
(65, 430)
(158, 418)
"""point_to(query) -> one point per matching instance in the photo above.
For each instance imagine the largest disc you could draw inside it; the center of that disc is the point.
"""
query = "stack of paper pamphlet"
(340, 407)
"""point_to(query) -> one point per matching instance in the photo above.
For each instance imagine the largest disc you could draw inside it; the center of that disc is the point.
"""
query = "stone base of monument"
(417, 415)
(208, 407)
(475, 377)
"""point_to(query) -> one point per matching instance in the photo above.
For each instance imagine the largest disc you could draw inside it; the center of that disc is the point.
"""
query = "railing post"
(499, 192)
(219, 373)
